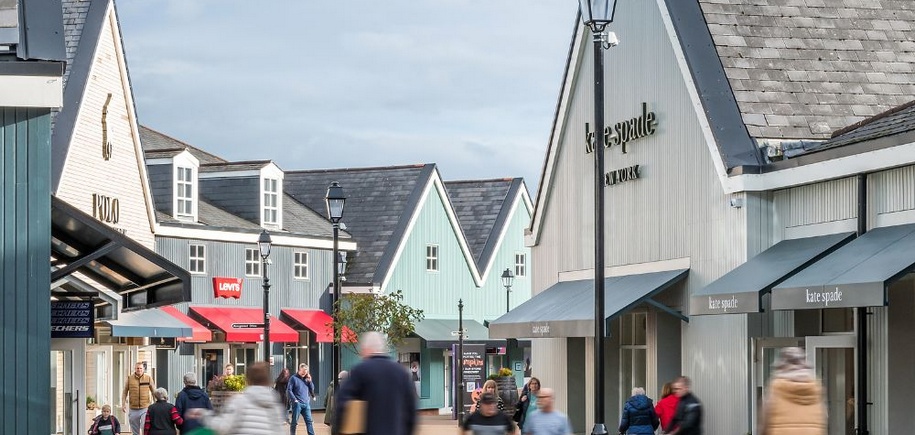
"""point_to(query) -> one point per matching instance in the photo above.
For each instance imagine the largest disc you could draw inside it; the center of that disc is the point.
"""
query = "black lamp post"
(597, 14)
(264, 242)
(507, 279)
(459, 365)
(335, 200)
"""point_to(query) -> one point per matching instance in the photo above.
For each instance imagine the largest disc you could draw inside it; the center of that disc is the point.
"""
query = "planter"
(219, 398)
(508, 391)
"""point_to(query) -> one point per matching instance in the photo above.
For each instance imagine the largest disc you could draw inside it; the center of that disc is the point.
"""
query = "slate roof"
(153, 140)
(482, 208)
(162, 154)
(253, 165)
(801, 69)
(892, 122)
(378, 205)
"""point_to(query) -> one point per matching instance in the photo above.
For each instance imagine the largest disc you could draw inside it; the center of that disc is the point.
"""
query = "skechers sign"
(227, 287)
(72, 319)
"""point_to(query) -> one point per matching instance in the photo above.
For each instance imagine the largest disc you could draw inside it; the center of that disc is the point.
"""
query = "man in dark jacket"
(301, 391)
(191, 397)
(688, 418)
(384, 385)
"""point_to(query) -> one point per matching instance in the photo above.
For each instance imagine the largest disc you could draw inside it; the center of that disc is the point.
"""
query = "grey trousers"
(137, 419)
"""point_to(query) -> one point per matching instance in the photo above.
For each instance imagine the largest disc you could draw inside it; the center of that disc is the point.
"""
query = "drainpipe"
(862, 319)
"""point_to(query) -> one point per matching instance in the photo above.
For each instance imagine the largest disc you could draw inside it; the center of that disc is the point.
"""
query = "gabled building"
(412, 236)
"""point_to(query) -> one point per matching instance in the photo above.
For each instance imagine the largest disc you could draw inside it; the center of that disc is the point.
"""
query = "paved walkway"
(428, 425)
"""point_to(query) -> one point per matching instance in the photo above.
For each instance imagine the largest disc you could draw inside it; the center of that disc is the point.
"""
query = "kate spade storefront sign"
(621, 133)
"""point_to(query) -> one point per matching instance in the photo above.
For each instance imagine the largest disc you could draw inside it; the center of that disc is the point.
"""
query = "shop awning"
(442, 333)
(148, 323)
(81, 243)
(855, 275)
(740, 290)
(319, 322)
(200, 333)
(567, 308)
(224, 317)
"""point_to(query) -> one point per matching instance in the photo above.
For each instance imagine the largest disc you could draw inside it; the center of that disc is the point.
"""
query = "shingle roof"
(800, 69)
(152, 140)
(478, 204)
(894, 121)
(378, 204)
(252, 165)
(162, 154)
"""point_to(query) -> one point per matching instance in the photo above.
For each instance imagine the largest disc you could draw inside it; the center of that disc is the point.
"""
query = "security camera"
(342, 226)
(610, 40)
(736, 202)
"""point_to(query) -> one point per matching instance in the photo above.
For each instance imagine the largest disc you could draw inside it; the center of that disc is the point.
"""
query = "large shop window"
(185, 193)
(271, 201)
(298, 353)
(412, 362)
(633, 353)
(197, 259)
(252, 262)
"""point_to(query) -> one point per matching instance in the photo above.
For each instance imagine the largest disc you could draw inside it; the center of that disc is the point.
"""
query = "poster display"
(472, 365)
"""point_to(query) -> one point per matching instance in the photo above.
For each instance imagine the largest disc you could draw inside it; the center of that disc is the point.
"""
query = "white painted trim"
(521, 198)
(821, 229)
(366, 290)
(273, 226)
(162, 161)
(307, 265)
(195, 186)
(895, 218)
(435, 181)
(231, 174)
(31, 91)
(628, 269)
(224, 236)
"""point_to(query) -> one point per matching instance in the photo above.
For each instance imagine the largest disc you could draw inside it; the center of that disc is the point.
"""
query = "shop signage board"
(831, 296)
(732, 303)
(227, 287)
(72, 319)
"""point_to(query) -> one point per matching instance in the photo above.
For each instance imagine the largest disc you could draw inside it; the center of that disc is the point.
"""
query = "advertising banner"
(224, 287)
(472, 365)
(72, 319)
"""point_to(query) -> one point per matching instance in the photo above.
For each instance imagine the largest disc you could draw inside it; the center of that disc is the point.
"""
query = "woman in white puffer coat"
(257, 410)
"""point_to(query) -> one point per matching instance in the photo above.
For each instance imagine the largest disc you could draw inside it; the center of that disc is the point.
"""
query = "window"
(633, 353)
(520, 268)
(271, 201)
(300, 265)
(197, 259)
(431, 258)
(184, 196)
(252, 262)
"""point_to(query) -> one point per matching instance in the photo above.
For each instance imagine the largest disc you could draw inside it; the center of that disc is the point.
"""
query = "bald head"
(373, 343)
(545, 399)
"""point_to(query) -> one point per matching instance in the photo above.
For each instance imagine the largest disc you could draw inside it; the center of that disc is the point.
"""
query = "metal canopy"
(148, 323)
(567, 308)
(442, 333)
(81, 243)
(740, 290)
(855, 275)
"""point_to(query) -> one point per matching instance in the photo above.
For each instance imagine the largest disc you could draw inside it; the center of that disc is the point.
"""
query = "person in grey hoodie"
(639, 416)
(256, 411)
(191, 397)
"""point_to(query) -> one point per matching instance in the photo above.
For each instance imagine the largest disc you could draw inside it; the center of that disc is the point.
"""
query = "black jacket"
(638, 416)
(191, 397)
(390, 394)
(688, 416)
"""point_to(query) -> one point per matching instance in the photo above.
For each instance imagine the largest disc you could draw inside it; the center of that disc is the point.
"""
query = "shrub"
(227, 383)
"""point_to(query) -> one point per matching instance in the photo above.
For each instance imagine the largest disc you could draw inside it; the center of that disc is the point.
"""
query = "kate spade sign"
(623, 132)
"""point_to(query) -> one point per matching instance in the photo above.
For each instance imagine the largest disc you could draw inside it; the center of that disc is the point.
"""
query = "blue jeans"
(305, 410)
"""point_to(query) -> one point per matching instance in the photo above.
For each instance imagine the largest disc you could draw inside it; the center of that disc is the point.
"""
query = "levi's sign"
(224, 287)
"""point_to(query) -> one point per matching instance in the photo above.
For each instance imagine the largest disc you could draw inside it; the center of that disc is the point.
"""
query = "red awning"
(200, 333)
(319, 322)
(224, 317)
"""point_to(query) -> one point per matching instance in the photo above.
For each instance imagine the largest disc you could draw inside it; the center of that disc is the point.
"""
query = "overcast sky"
(470, 85)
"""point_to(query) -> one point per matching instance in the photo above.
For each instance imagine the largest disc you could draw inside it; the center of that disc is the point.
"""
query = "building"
(439, 242)
(723, 182)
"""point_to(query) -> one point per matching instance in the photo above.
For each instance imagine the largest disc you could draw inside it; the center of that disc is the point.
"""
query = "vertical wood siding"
(812, 204)
(893, 190)
(25, 249)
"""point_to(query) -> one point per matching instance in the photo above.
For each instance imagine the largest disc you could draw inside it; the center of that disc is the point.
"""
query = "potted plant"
(90, 403)
(221, 388)
(508, 388)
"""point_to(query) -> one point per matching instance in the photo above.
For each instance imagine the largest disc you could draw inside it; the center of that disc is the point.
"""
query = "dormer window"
(271, 203)
(184, 193)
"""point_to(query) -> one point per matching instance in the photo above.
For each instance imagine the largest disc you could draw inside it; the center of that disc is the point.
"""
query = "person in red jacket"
(667, 406)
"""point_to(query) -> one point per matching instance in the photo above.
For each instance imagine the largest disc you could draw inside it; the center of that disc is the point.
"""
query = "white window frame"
(185, 177)
(270, 202)
(432, 258)
(520, 265)
(252, 266)
(197, 261)
(630, 349)
(300, 267)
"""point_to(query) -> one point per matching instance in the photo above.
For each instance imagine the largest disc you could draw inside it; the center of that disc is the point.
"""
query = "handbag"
(354, 416)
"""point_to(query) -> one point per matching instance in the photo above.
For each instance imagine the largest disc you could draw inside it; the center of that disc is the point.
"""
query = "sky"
(471, 85)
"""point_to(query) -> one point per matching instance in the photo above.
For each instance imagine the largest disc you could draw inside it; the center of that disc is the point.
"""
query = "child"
(105, 424)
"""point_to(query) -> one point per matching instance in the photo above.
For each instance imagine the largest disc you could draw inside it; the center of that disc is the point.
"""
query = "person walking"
(162, 418)
(256, 411)
(547, 420)
(301, 391)
(138, 395)
(487, 419)
(384, 385)
(105, 424)
(192, 396)
(527, 403)
(638, 416)
(688, 418)
(329, 399)
(794, 398)
(280, 384)
(490, 386)
(667, 406)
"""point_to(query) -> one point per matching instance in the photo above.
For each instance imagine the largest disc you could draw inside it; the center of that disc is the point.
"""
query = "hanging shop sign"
(225, 287)
(72, 319)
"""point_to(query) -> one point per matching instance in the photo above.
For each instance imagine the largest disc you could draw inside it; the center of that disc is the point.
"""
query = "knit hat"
(791, 358)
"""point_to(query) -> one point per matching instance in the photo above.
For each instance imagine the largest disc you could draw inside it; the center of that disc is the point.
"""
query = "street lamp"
(597, 14)
(264, 242)
(335, 201)
(507, 279)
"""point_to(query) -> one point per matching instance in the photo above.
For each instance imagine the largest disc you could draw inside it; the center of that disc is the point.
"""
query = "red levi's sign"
(227, 287)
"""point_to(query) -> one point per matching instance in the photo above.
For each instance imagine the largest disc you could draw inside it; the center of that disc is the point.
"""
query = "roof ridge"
(876, 117)
(187, 145)
(482, 180)
(368, 168)
(240, 162)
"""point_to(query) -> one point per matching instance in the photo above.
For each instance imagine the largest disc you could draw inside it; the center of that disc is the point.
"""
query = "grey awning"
(442, 333)
(148, 323)
(855, 275)
(740, 290)
(567, 308)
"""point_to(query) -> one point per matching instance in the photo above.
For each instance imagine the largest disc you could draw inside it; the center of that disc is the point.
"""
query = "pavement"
(428, 425)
